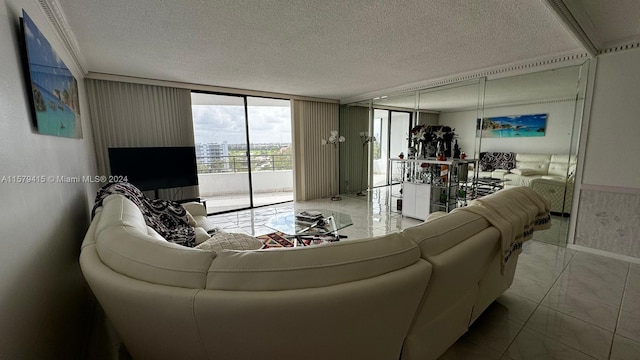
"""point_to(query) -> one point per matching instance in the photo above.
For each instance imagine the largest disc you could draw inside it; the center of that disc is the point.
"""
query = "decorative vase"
(456, 150)
(447, 148)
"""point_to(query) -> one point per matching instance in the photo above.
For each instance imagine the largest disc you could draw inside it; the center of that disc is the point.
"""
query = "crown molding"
(532, 65)
(202, 87)
(54, 13)
(620, 48)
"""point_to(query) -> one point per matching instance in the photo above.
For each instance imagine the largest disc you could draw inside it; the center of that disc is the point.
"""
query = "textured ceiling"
(608, 23)
(331, 49)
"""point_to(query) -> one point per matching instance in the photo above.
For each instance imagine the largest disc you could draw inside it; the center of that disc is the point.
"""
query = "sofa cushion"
(527, 172)
(168, 218)
(443, 233)
(538, 162)
(562, 165)
(434, 215)
(230, 241)
(191, 220)
(127, 247)
(311, 266)
(519, 180)
(201, 235)
(206, 223)
(118, 212)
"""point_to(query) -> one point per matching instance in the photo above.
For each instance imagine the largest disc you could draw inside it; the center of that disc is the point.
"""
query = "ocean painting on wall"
(54, 89)
(513, 126)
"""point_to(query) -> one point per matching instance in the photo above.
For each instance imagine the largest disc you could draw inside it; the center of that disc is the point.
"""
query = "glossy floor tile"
(563, 304)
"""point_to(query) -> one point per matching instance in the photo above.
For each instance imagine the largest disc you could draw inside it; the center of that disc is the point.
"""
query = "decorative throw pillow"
(230, 241)
(490, 161)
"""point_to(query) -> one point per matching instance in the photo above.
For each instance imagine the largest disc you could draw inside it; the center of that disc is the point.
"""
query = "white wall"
(464, 122)
(556, 140)
(216, 184)
(613, 144)
(609, 197)
(43, 299)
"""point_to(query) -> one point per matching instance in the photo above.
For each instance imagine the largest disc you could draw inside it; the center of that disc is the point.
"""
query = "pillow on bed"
(230, 241)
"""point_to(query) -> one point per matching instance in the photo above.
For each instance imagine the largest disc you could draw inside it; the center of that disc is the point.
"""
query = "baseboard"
(630, 259)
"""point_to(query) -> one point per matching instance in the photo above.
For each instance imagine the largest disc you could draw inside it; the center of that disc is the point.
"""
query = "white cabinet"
(416, 200)
(428, 185)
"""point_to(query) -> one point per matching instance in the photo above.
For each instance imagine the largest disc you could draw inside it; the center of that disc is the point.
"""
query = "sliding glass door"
(243, 150)
(391, 129)
(271, 152)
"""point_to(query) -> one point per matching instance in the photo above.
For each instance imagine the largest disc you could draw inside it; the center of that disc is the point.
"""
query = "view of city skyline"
(220, 123)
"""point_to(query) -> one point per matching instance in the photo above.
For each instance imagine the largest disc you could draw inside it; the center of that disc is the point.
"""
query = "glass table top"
(330, 222)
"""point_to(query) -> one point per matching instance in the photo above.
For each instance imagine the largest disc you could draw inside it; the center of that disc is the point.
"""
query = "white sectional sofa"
(550, 175)
(407, 295)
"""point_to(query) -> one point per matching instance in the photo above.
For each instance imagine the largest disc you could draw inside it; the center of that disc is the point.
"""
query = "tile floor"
(563, 304)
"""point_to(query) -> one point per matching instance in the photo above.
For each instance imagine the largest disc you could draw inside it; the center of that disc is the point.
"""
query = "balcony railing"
(237, 163)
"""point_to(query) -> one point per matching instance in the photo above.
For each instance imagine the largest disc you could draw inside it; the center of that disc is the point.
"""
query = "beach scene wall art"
(54, 89)
(513, 126)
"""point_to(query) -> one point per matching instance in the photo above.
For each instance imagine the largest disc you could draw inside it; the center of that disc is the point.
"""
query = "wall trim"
(53, 11)
(630, 259)
(620, 48)
(203, 88)
(540, 64)
(611, 189)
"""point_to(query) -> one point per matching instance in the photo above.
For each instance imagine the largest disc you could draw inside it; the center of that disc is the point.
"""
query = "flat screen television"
(153, 168)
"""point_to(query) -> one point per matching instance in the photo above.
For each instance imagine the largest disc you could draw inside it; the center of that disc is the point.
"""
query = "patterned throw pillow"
(230, 241)
(490, 161)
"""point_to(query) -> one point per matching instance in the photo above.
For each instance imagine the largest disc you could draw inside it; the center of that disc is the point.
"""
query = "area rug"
(276, 239)
(279, 239)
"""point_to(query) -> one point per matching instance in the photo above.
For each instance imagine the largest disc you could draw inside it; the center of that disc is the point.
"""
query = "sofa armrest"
(195, 208)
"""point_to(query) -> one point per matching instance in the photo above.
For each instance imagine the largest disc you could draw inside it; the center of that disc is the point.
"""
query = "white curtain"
(316, 166)
(129, 115)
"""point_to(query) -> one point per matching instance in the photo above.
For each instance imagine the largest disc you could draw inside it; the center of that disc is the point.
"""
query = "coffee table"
(487, 185)
(325, 228)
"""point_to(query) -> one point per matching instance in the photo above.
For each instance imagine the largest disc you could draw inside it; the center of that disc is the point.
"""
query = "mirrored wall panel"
(522, 130)
(529, 132)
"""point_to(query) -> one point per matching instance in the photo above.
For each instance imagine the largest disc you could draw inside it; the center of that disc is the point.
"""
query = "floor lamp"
(334, 140)
(365, 138)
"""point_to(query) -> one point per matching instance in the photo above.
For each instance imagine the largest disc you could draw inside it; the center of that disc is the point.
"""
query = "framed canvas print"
(54, 90)
(512, 126)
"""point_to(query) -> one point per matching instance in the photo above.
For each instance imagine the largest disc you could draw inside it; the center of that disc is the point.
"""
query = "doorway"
(391, 130)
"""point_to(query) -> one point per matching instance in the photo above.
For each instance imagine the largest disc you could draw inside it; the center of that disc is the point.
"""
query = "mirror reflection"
(518, 130)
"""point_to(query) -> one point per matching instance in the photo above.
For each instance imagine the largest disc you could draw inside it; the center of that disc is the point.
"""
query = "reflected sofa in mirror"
(529, 130)
(546, 162)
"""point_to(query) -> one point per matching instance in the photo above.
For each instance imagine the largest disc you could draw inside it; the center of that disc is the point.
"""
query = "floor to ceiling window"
(243, 150)
(391, 130)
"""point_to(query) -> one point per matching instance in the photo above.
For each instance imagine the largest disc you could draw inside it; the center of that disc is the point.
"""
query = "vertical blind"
(316, 165)
(137, 115)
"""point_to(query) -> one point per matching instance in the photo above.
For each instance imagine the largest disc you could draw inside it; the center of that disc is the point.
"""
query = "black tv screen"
(152, 168)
